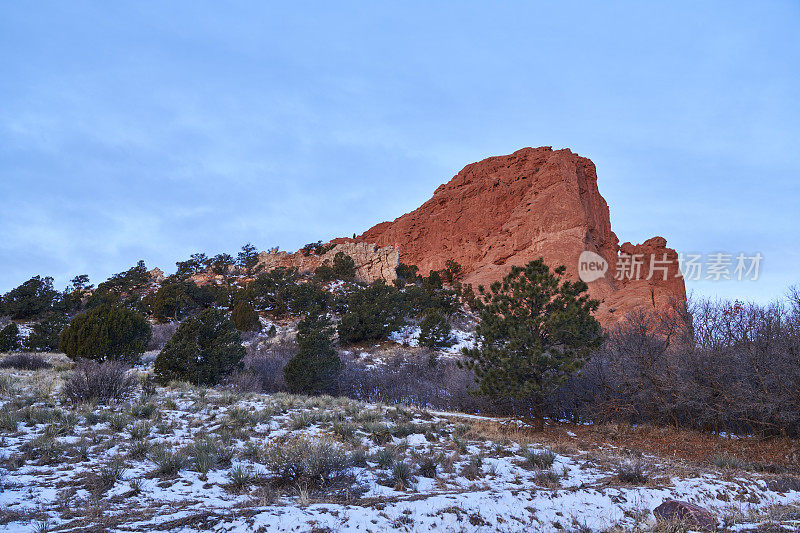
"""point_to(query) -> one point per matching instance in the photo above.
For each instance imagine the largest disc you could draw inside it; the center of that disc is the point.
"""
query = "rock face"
(372, 261)
(536, 202)
(156, 275)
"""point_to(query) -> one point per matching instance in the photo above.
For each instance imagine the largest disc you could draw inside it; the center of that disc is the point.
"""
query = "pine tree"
(245, 317)
(435, 330)
(407, 273)
(451, 271)
(534, 331)
(175, 300)
(344, 267)
(203, 350)
(221, 263)
(373, 312)
(316, 367)
(273, 291)
(248, 258)
(307, 297)
(30, 300)
(80, 283)
(170, 302)
(124, 289)
(106, 332)
(45, 334)
(9, 338)
(194, 265)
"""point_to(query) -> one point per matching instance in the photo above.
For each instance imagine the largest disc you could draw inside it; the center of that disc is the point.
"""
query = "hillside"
(186, 458)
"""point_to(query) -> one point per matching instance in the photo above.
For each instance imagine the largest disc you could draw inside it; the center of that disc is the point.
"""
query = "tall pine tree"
(534, 331)
(316, 367)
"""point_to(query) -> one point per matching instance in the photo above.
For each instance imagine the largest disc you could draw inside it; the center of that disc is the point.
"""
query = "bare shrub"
(244, 381)
(409, 379)
(406, 378)
(161, 334)
(102, 382)
(24, 361)
(266, 364)
(709, 365)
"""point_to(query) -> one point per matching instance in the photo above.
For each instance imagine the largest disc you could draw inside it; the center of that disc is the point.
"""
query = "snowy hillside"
(196, 459)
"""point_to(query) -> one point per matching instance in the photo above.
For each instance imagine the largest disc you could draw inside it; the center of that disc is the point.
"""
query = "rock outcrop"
(372, 261)
(156, 275)
(536, 202)
(691, 515)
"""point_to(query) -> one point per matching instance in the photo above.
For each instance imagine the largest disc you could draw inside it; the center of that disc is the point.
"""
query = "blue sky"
(152, 130)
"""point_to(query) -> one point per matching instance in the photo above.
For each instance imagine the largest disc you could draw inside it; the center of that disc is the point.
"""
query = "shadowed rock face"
(536, 202)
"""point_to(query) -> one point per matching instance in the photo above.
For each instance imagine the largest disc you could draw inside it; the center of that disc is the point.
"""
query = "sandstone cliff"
(536, 202)
(372, 262)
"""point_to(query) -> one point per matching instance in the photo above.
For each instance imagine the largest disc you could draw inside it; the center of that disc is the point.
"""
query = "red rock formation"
(511, 209)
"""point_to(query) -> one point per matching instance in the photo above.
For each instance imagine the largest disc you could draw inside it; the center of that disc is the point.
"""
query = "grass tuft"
(632, 472)
(168, 462)
(539, 459)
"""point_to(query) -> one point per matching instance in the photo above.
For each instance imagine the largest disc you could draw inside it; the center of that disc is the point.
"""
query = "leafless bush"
(161, 334)
(244, 381)
(715, 365)
(102, 382)
(406, 378)
(24, 361)
(266, 363)
(412, 380)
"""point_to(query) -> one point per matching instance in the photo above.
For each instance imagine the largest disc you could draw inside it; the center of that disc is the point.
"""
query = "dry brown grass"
(678, 445)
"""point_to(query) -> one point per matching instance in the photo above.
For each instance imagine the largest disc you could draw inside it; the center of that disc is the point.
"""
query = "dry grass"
(679, 445)
(768, 518)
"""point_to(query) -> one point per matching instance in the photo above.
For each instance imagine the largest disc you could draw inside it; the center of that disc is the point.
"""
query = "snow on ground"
(462, 339)
(25, 330)
(408, 335)
(197, 459)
